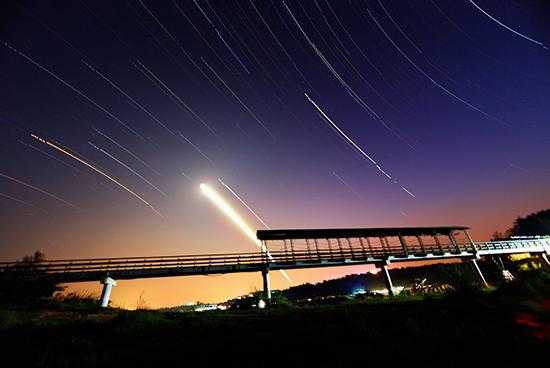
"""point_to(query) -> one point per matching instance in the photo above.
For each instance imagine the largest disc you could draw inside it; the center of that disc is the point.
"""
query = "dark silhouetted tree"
(497, 235)
(537, 223)
(25, 282)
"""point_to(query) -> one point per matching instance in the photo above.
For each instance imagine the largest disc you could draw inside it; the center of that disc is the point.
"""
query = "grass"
(500, 325)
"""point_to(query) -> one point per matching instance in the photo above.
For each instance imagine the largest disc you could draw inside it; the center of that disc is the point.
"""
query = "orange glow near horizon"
(123, 231)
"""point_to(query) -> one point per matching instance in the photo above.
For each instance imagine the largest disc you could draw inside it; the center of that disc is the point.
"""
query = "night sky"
(449, 98)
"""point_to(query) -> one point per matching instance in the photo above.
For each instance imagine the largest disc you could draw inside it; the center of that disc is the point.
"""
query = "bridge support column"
(479, 273)
(403, 243)
(387, 279)
(454, 242)
(545, 259)
(472, 243)
(108, 284)
(267, 286)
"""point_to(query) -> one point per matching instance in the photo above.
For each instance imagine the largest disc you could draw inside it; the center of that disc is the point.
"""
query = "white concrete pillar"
(267, 286)
(545, 259)
(387, 279)
(480, 274)
(108, 284)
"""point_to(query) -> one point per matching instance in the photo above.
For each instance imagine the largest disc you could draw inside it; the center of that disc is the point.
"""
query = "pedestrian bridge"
(294, 249)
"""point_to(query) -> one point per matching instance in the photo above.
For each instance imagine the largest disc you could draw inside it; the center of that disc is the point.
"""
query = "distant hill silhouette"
(436, 274)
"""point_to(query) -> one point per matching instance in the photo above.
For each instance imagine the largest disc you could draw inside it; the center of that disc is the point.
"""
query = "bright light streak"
(226, 208)
(64, 151)
(355, 145)
(222, 204)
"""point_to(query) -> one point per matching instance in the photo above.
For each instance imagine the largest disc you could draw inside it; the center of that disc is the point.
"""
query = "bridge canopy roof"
(287, 234)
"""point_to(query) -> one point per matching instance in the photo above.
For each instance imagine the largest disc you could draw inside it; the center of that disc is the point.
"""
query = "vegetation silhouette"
(537, 223)
(25, 283)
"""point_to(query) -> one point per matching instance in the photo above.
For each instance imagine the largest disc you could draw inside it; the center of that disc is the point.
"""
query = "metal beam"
(479, 273)
(472, 243)
(438, 243)
(354, 232)
(316, 242)
(454, 242)
(387, 280)
(421, 243)
(403, 245)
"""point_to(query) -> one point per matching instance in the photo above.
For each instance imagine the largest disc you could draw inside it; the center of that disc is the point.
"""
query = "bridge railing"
(311, 252)
(208, 260)
(213, 260)
(115, 264)
(514, 244)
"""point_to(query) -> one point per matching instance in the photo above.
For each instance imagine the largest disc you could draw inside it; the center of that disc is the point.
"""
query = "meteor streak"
(508, 28)
(64, 151)
(38, 190)
(355, 146)
(226, 208)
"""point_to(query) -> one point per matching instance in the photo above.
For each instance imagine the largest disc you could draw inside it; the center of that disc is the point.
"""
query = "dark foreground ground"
(499, 328)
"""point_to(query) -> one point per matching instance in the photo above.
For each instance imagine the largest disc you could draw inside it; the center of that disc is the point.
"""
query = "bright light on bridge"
(226, 208)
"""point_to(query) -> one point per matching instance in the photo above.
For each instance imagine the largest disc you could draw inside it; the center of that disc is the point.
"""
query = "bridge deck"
(308, 254)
